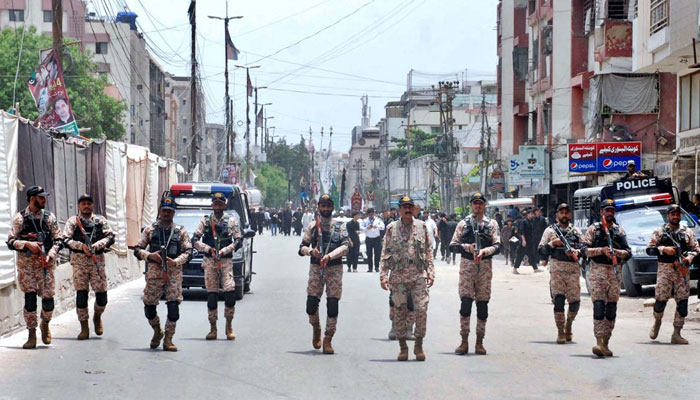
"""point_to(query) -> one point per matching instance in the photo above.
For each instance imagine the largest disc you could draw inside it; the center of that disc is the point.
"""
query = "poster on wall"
(50, 95)
(534, 161)
(587, 158)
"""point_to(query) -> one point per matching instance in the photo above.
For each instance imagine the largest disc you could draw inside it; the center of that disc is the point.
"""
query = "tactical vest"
(162, 234)
(559, 253)
(222, 235)
(601, 240)
(93, 224)
(469, 236)
(398, 243)
(34, 229)
(332, 241)
(679, 237)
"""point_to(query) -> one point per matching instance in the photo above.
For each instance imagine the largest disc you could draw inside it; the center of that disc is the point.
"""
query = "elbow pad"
(653, 251)
(301, 246)
(137, 253)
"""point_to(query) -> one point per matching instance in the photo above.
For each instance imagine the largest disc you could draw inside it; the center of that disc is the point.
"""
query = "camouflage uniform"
(405, 261)
(670, 280)
(475, 279)
(33, 279)
(564, 274)
(603, 276)
(331, 276)
(155, 284)
(87, 272)
(218, 271)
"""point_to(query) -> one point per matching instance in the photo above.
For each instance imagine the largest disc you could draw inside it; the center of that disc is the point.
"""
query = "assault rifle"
(477, 243)
(613, 257)
(682, 266)
(87, 241)
(569, 250)
(39, 237)
(164, 265)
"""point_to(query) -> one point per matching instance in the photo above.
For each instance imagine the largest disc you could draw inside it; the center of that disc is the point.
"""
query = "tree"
(293, 161)
(92, 108)
(422, 143)
(272, 182)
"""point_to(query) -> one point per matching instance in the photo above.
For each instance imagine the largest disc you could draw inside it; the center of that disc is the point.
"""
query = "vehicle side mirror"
(248, 233)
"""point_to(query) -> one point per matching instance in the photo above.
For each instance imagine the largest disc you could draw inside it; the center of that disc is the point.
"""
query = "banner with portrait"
(50, 95)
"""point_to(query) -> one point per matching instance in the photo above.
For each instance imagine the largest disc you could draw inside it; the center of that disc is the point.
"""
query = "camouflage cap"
(673, 208)
(218, 196)
(562, 206)
(36, 191)
(477, 197)
(167, 203)
(607, 203)
(406, 200)
(326, 198)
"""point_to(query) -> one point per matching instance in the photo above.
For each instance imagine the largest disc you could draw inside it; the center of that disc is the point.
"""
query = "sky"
(318, 57)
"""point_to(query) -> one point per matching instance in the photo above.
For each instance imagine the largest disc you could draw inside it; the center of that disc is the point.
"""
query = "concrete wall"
(119, 269)
(561, 72)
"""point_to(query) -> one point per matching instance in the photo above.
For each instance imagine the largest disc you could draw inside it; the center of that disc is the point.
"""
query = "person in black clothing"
(528, 245)
(261, 220)
(353, 229)
(444, 237)
(296, 222)
(451, 228)
(498, 217)
(253, 219)
(539, 224)
(287, 221)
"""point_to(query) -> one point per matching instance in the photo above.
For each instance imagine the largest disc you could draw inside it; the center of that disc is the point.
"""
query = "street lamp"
(247, 117)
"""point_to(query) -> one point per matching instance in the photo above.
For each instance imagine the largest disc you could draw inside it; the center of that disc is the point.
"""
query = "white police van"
(641, 208)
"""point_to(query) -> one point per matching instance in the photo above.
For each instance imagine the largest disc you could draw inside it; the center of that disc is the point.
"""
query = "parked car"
(362, 257)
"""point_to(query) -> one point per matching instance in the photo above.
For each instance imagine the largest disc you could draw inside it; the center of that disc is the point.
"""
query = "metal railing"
(659, 15)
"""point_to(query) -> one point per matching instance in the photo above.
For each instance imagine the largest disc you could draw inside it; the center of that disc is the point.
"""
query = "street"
(272, 356)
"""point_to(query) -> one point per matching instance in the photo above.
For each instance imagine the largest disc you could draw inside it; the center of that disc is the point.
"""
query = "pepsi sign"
(603, 157)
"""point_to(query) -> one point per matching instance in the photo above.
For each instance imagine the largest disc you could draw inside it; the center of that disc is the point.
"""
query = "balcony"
(617, 37)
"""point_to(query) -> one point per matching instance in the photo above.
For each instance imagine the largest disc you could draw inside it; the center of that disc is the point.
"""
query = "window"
(48, 16)
(101, 48)
(690, 101)
(16, 15)
(184, 101)
(617, 9)
(659, 15)
(435, 129)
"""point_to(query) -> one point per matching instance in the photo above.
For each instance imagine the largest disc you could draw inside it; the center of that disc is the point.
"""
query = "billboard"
(586, 158)
(533, 158)
(50, 95)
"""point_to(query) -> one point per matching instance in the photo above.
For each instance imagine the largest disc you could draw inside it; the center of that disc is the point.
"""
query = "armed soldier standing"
(220, 238)
(676, 247)
(606, 247)
(326, 246)
(88, 236)
(561, 243)
(35, 234)
(478, 239)
(406, 266)
(169, 248)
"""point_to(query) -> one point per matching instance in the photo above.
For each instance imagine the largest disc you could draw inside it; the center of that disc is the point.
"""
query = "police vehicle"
(193, 202)
(641, 208)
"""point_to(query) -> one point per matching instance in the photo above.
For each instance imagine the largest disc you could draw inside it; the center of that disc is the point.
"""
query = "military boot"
(230, 334)
(316, 341)
(157, 337)
(84, 331)
(45, 331)
(168, 342)
(568, 334)
(327, 348)
(676, 338)
(97, 321)
(212, 331)
(392, 332)
(31, 341)
(479, 348)
(598, 348)
(418, 349)
(403, 353)
(606, 349)
(561, 336)
(464, 347)
(654, 332)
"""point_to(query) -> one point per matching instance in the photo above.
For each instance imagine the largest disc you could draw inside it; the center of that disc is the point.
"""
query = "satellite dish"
(361, 141)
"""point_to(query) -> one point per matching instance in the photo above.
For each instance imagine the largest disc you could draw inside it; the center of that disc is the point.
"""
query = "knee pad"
(482, 310)
(212, 299)
(573, 307)
(465, 309)
(598, 310)
(101, 299)
(682, 308)
(173, 311)
(611, 311)
(312, 304)
(47, 304)
(659, 306)
(150, 311)
(30, 301)
(230, 298)
(332, 307)
(81, 299)
(559, 301)
(409, 303)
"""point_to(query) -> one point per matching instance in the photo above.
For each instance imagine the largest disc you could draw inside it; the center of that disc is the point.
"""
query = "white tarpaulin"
(151, 197)
(115, 186)
(8, 188)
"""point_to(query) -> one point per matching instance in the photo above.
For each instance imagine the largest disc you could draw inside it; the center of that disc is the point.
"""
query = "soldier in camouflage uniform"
(475, 270)
(564, 283)
(163, 238)
(88, 236)
(220, 237)
(672, 277)
(604, 275)
(326, 251)
(406, 266)
(35, 234)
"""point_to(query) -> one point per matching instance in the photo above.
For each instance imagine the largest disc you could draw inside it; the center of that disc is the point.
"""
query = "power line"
(283, 19)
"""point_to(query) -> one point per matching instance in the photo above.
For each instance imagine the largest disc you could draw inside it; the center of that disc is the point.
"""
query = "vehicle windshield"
(190, 218)
(639, 224)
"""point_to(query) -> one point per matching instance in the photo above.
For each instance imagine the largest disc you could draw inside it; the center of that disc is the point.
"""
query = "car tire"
(631, 289)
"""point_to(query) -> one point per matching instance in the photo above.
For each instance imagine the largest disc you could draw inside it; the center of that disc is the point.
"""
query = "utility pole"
(232, 137)
(193, 86)
(57, 28)
(386, 162)
(267, 133)
(483, 147)
(446, 160)
(312, 164)
(408, 160)
(247, 126)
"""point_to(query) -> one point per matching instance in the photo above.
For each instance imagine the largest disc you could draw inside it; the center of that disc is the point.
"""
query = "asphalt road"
(273, 358)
